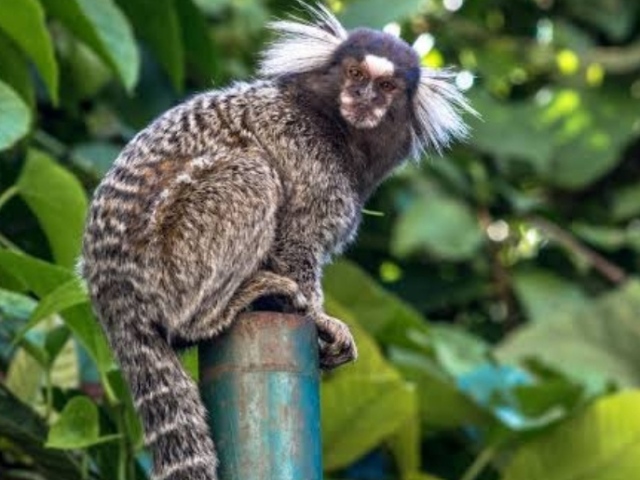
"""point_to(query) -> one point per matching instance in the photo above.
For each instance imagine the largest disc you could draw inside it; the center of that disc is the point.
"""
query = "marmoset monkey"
(247, 192)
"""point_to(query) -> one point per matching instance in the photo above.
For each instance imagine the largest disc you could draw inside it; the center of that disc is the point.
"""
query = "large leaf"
(103, 27)
(16, 116)
(518, 400)
(440, 225)
(603, 443)
(27, 431)
(57, 198)
(442, 404)
(379, 403)
(15, 70)
(595, 343)
(77, 426)
(23, 21)
(544, 296)
(161, 32)
(36, 275)
(382, 314)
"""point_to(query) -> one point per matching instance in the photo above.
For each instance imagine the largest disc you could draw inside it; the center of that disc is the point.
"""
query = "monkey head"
(371, 78)
(378, 74)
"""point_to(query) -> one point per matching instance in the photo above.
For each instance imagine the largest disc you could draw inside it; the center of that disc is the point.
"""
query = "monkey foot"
(336, 342)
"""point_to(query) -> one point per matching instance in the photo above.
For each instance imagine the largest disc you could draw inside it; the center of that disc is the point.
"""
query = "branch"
(607, 269)
(616, 59)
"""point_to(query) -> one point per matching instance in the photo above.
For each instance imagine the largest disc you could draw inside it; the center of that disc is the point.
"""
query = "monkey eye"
(387, 86)
(355, 74)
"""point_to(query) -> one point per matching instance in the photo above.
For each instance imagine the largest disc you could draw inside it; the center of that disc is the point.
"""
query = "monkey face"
(368, 90)
(379, 75)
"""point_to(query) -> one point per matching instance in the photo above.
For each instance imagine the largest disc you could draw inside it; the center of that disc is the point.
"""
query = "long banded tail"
(168, 402)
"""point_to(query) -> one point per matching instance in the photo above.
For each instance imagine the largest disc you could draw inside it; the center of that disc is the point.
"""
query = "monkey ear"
(302, 45)
(438, 107)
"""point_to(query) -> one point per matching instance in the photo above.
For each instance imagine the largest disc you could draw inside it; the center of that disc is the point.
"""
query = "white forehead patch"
(378, 66)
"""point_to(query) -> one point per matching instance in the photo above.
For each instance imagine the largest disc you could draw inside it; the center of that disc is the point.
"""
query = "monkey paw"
(336, 342)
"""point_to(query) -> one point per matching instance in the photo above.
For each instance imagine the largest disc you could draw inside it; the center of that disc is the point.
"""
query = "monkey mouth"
(361, 116)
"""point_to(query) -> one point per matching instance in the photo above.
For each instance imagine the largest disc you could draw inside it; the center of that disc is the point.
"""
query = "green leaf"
(602, 443)
(27, 431)
(592, 344)
(133, 424)
(626, 202)
(442, 404)
(420, 476)
(38, 276)
(161, 32)
(65, 369)
(440, 225)
(526, 139)
(70, 293)
(16, 116)
(15, 70)
(570, 141)
(602, 236)
(77, 427)
(87, 330)
(383, 314)
(95, 157)
(24, 376)
(195, 35)
(14, 307)
(190, 362)
(86, 74)
(59, 202)
(103, 27)
(405, 445)
(213, 7)
(43, 278)
(376, 13)
(24, 22)
(380, 402)
(55, 341)
(457, 350)
(544, 295)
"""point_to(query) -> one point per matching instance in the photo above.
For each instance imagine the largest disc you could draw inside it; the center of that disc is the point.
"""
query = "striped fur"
(243, 193)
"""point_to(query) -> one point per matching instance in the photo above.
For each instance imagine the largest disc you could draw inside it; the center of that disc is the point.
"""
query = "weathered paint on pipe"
(260, 383)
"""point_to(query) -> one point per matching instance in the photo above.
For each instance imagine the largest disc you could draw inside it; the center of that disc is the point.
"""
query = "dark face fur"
(378, 75)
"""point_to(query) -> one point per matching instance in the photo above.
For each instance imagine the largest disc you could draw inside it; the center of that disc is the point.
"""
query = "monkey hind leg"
(217, 228)
(166, 399)
(262, 284)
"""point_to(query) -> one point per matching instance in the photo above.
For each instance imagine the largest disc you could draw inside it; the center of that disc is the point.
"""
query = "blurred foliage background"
(493, 291)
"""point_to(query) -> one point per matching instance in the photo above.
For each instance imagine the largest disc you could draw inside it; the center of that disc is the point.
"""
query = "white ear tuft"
(438, 108)
(302, 46)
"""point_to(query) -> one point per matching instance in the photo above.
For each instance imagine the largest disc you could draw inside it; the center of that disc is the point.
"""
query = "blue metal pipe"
(260, 383)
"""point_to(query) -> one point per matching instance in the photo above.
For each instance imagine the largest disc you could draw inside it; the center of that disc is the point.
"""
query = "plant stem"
(85, 466)
(8, 194)
(479, 464)
(607, 269)
(49, 393)
(125, 455)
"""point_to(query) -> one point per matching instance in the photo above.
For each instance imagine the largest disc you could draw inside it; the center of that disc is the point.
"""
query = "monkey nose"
(364, 93)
